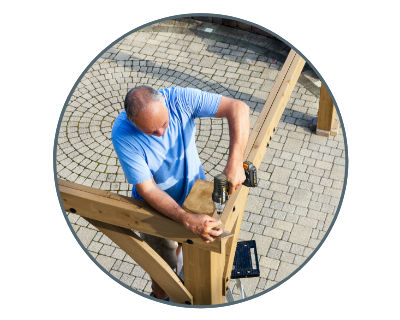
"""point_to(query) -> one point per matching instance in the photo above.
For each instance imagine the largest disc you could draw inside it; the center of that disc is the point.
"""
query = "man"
(154, 138)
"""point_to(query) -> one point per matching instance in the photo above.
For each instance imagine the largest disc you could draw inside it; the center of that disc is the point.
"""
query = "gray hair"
(138, 99)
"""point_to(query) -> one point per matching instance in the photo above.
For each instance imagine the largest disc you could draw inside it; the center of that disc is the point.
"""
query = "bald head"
(138, 99)
(145, 107)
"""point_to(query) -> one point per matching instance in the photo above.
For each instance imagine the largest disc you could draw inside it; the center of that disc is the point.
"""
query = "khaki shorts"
(164, 247)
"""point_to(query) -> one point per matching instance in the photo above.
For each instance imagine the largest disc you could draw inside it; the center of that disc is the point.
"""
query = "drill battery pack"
(251, 174)
(245, 264)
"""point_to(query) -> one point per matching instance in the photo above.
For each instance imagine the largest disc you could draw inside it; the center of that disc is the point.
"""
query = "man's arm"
(199, 224)
(237, 114)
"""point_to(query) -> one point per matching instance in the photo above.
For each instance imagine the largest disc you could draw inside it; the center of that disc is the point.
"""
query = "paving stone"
(263, 243)
(148, 49)
(257, 229)
(299, 260)
(274, 243)
(308, 222)
(284, 246)
(283, 225)
(280, 215)
(278, 196)
(254, 218)
(280, 175)
(313, 214)
(301, 197)
(313, 243)
(287, 257)
(138, 272)
(318, 139)
(317, 188)
(126, 267)
(273, 232)
(95, 246)
(267, 221)
(105, 262)
(301, 211)
(327, 208)
(337, 172)
(297, 249)
(107, 250)
(127, 279)
(292, 145)
(315, 171)
(245, 235)
(300, 235)
(288, 208)
(245, 225)
(332, 192)
(269, 263)
(293, 218)
(118, 254)
(86, 235)
(323, 165)
(254, 204)
(116, 274)
(285, 269)
(274, 253)
(337, 184)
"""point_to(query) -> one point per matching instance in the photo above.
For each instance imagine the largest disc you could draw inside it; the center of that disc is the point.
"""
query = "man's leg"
(179, 249)
(167, 249)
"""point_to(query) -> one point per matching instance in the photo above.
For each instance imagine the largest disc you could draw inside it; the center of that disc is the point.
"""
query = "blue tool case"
(245, 264)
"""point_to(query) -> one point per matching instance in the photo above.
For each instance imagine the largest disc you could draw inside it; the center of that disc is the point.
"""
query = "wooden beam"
(230, 248)
(326, 124)
(258, 143)
(127, 213)
(265, 127)
(203, 275)
(274, 106)
(148, 259)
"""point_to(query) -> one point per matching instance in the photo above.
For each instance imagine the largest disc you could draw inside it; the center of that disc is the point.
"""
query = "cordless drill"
(221, 186)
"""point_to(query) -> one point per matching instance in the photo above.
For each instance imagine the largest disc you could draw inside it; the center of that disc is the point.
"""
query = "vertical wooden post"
(326, 124)
(203, 272)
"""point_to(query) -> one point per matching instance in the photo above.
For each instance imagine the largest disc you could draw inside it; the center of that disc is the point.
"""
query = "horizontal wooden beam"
(127, 213)
(148, 259)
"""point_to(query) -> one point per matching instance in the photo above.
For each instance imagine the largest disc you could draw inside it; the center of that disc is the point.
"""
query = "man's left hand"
(235, 175)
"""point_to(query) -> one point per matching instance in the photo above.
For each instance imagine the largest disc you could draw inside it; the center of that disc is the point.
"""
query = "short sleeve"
(199, 104)
(133, 163)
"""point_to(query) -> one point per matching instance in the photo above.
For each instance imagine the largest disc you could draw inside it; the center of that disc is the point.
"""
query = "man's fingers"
(213, 223)
(215, 233)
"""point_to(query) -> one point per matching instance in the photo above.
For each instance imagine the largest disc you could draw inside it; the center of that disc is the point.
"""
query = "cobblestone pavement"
(301, 175)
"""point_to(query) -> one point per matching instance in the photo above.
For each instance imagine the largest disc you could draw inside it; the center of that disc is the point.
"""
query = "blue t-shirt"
(172, 159)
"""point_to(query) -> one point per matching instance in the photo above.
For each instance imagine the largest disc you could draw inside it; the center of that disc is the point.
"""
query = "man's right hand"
(203, 226)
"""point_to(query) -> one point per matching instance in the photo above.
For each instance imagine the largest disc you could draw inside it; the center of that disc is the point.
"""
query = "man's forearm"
(239, 128)
(164, 204)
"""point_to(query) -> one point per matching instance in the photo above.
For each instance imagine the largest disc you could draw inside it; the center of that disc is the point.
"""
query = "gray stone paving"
(301, 175)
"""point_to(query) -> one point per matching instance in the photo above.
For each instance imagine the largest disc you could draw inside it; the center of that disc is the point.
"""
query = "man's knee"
(164, 247)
